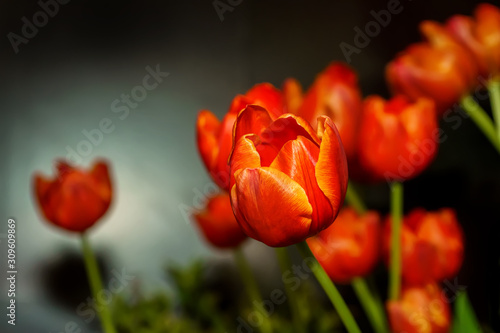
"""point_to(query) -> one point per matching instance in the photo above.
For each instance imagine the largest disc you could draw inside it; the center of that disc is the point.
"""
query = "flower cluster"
(283, 160)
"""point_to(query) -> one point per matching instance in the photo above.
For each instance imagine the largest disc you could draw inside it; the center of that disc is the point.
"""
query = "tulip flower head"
(397, 138)
(348, 248)
(481, 36)
(287, 182)
(214, 137)
(218, 224)
(440, 69)
(421, 309)
(76, 199)
(432, 246)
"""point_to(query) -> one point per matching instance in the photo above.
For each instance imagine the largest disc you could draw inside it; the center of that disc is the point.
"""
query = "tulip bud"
(420, 309)
(287, 184)
(481, 36)
(75, 199)
(432, 246)
(397, 138)
(439, 69)
(218, 224)
(215, 137)
(348, 248)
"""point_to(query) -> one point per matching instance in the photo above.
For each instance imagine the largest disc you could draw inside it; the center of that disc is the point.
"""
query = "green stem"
(395, 254)
(251, 287)
(373, 309)
(95, 282)
(482, 120)
(494, 89)
(353, 199)
(285, 265)
(330, 289)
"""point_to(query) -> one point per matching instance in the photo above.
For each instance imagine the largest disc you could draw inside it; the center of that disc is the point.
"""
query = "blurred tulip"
(349, 248)
(286, 183)
(422, 309)
(215, 137)
(218, 224)
(397, 138)
(335, 93)
(432, 246)
(481, 36)
(439, 69)
(75, 199)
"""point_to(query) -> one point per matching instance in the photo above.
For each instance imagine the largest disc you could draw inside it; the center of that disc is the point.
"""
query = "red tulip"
(439, 69)
(349, 248)
(286, 183)
(335, 93)
(481, 36)
(214, 137)
(218, 224)
(432, 246)
(75, 199)
(397, 138)
(420, 309)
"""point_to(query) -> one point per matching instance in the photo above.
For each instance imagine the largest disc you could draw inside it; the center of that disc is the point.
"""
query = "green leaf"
(465, 320)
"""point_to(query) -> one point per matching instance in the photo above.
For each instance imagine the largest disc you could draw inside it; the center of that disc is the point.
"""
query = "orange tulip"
(335, 93)
(287, 184)
(349, 248)
(214, 137)
(420, 310)
(75, 199)
(218, 224)
(432, 246)
(439, 69)
(481, 36)
(397, 138)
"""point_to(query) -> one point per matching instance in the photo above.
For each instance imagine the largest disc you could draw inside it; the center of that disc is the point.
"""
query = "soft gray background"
(65, 79)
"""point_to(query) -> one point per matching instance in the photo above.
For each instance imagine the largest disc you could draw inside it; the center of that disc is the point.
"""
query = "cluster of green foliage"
(196, 306)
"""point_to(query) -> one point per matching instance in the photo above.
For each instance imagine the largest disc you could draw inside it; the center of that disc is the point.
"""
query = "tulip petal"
(244, 155)
(42, 188)
(238, 104)
(297, 159)
(251, 120)
(293, 94)
(271, 207)
(268, 97)
(100, 173)
(218, 224)
(288, 127)
(207, 127)
(331, 168)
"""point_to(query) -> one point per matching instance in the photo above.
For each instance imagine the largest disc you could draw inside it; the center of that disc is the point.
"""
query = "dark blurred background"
(64, 79)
